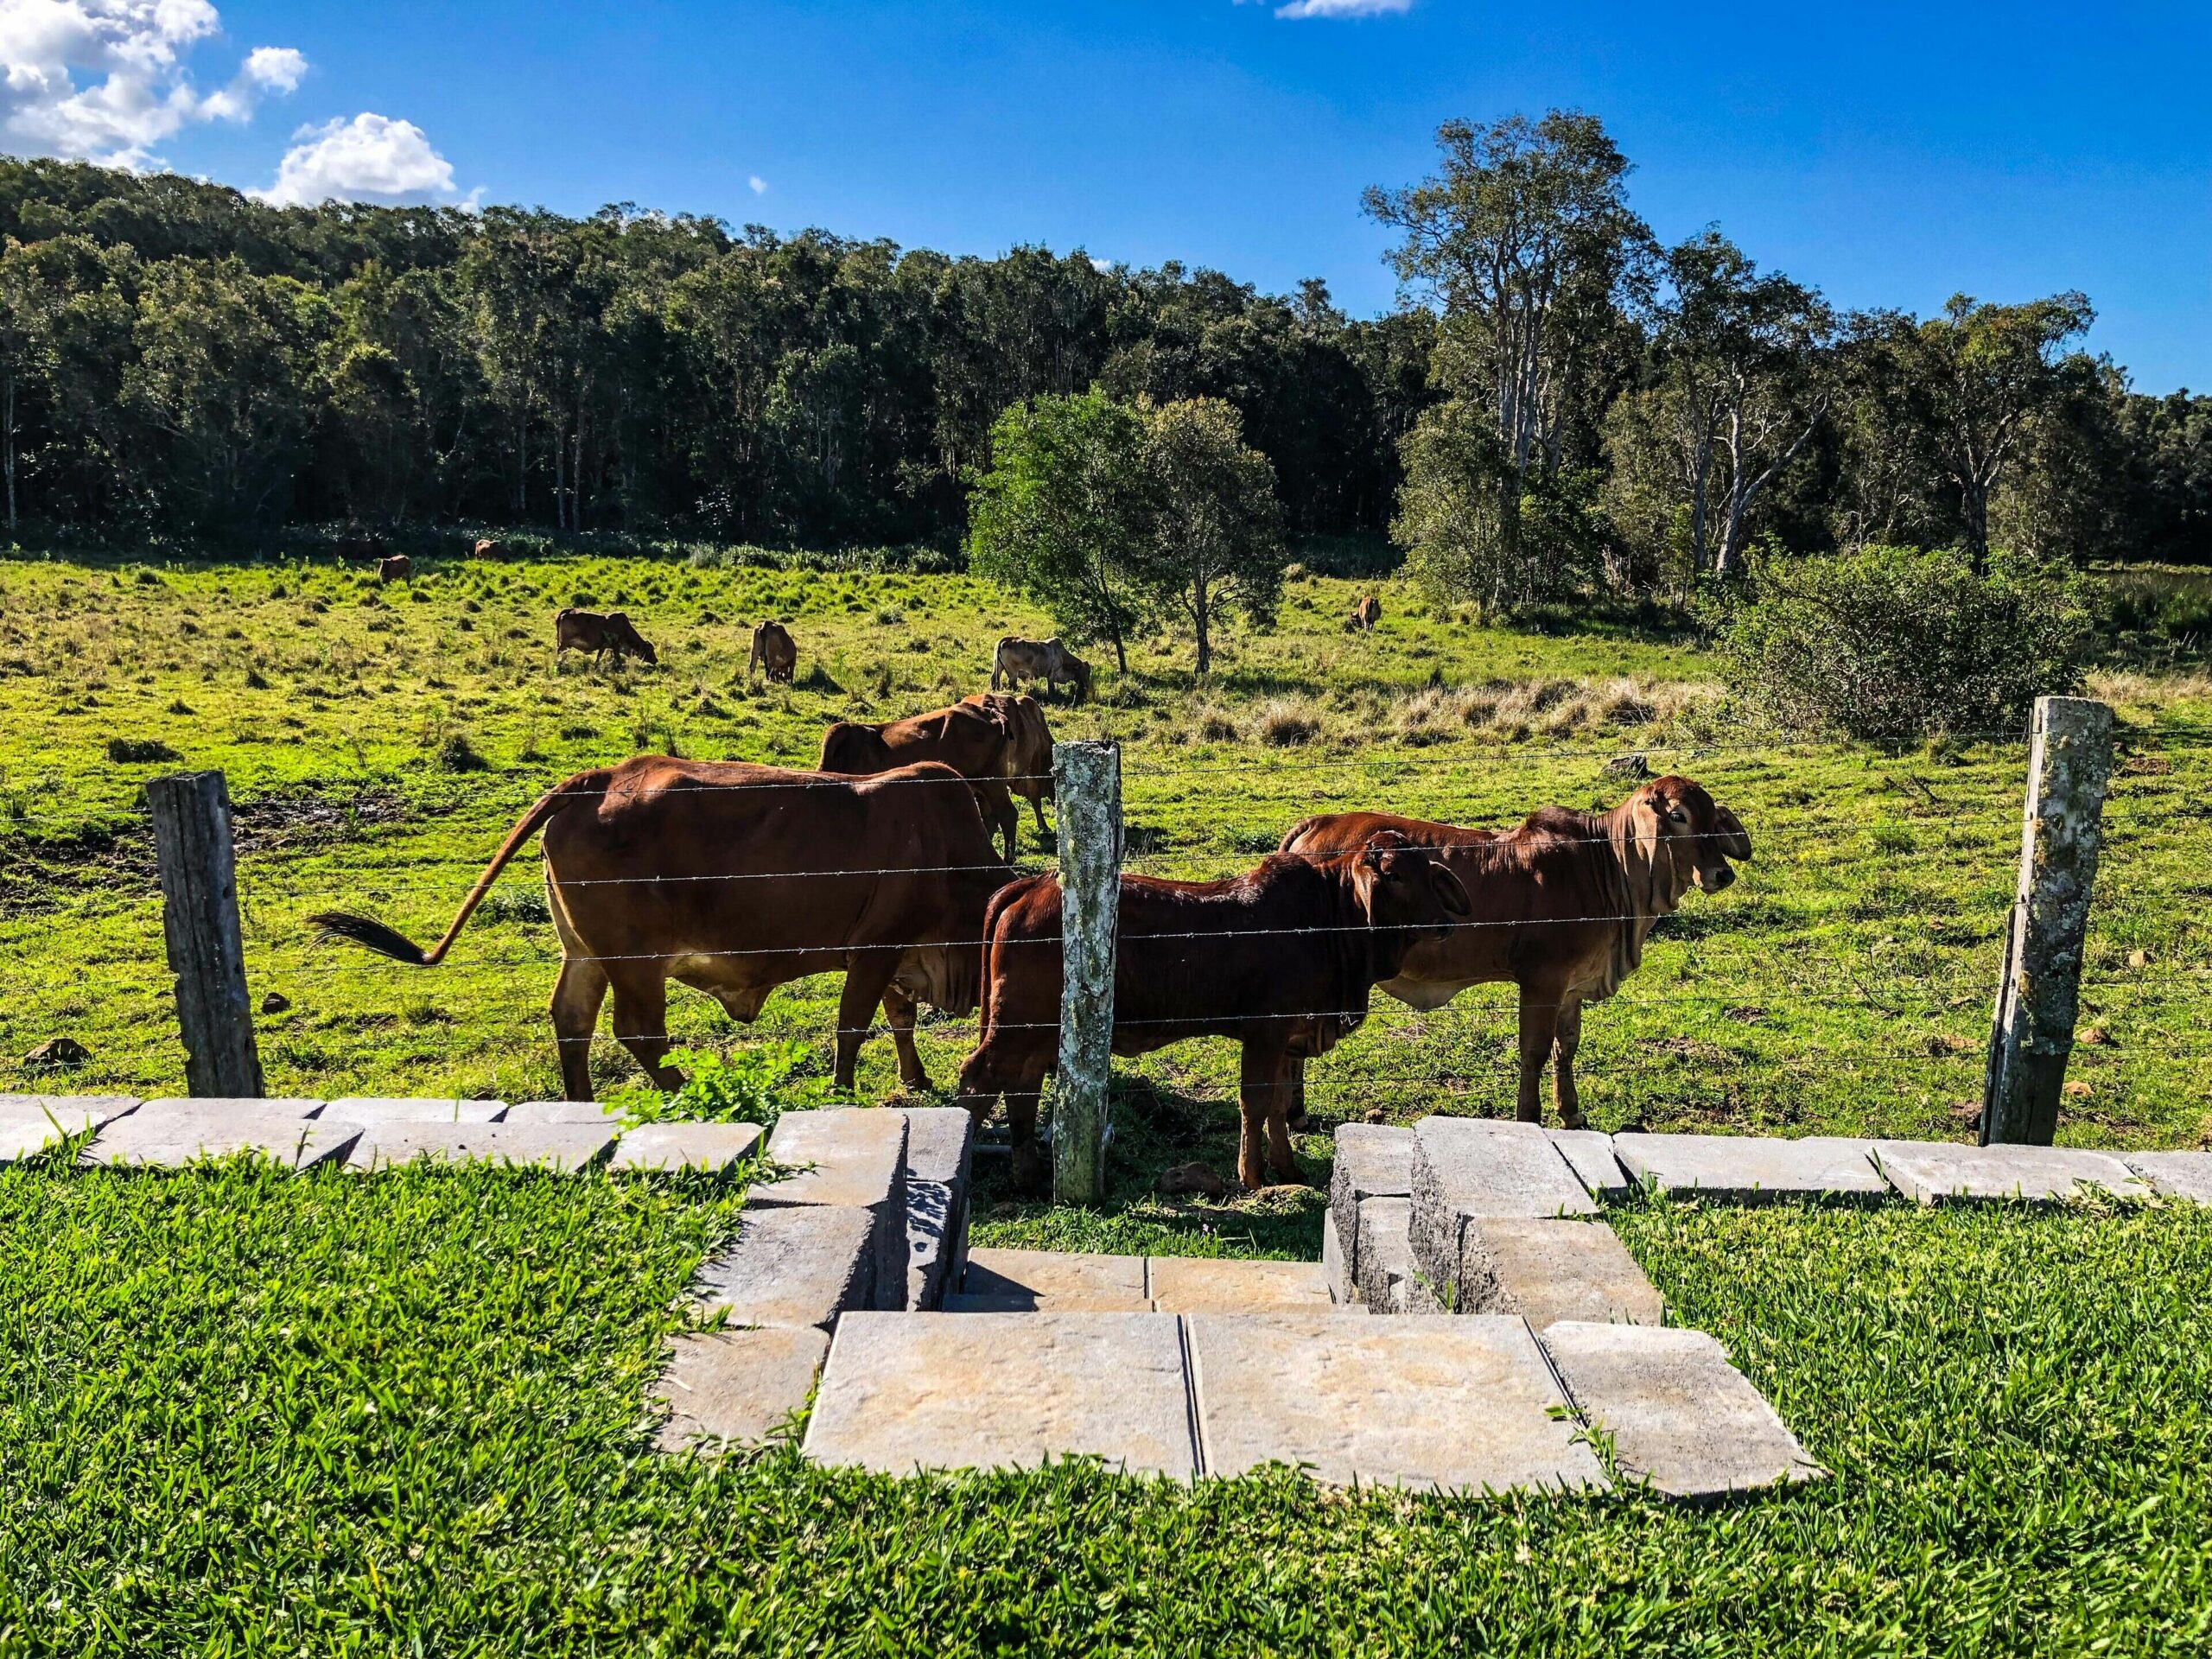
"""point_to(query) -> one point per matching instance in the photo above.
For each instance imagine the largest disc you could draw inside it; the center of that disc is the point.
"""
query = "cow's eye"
(1678, 815)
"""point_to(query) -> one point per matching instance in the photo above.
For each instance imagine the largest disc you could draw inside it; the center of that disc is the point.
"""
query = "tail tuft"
(367, 932)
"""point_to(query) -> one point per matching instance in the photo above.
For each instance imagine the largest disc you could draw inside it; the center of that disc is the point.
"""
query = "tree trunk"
(8, 429)
(1198, 613)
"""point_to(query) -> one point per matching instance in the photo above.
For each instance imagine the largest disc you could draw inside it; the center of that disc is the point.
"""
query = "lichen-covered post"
(200, 922)
(2032, 1034)
(1087, 778)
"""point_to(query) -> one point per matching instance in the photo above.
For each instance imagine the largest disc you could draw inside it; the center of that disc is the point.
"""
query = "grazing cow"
(359, 544)
(1281, 958)
(973, 742)
(1365, 614)
(736, 879)
(489, 550)
(602, 634)
(398, 567)
(774, 654)
(1028, 750)
(1562, 908)
(1017, 659)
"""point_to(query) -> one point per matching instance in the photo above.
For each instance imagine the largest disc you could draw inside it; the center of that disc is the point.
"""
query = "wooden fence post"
(199, 918)
(2031, 1034)
(1087, 782)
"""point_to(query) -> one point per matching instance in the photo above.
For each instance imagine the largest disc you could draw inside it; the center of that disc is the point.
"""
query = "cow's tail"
(998, 660)
(387, 941)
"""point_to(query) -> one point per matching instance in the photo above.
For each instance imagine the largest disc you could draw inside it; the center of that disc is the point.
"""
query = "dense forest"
(176, 358)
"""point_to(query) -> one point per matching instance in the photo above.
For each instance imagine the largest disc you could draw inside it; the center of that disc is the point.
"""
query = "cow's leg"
(641, 1023)
(1262, 1093)
(1013, 1066)
(1037, 805)
(867, 976)
(577, 998)
(1570, 1039)
(899, 1013)
(1540, 1004)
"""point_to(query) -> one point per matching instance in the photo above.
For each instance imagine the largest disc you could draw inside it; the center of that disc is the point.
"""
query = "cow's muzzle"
(1714, 880)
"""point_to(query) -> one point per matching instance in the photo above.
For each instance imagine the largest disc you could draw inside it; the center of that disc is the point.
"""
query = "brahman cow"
(488, 549)
(601, 633)
(1282, 959)
(398, 567)
(1365, 614)
(1028, 749)
(1016, 659)
(1562, 908)
(736, 879)
(774, 652)
(973, 742)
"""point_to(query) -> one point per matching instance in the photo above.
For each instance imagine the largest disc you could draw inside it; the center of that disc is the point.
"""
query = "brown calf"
(972, 740)
(601, 633)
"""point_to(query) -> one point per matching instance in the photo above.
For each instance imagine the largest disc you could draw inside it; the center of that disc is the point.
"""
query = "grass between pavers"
(246, 1413)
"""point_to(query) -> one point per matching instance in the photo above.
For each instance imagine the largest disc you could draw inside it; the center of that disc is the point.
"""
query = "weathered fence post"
(199, 918)
(2032, 1033)
(1087, 781)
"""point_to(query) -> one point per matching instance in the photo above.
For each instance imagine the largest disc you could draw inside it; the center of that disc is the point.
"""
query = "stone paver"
(1197, 1285)
(223, 1105)
(733, 1388)
(908, 1391)
(940, 1167)
(1933, 1172)
(940, 1144)
(1336, 1262)
(2175, 1174)
(849, 1157)
(1468, 1168)
(552, 1146)
(377, 1110)
(562, 1112)
(1551, 1270)
(1372, 1161)
(663, 1147)
(1055, 1282)
(170, 1140)
(1459, 1405)
(1679, 1413)
(1751, 1169)
(1589, 1154)
(75, 1113)
(1390, 1281)
(793, 1269)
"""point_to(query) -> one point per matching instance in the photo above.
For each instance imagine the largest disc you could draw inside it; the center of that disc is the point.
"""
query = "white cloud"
(760, 185)
(106, 81)
(1343, 8)
(369, 158)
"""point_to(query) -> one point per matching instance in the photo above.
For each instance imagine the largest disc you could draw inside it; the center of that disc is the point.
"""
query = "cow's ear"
(1366, 877)
(1451, 893)
(1735, 841)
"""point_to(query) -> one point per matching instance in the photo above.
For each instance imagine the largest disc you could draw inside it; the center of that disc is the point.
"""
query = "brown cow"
(1366, 613)
(774, 652)
(1016, 659)
(601, 633)
(736, 879)
(1028, 750)
(1281, 958)
(488, 549)
(973, 742)
(398, 567)
(1562, 908)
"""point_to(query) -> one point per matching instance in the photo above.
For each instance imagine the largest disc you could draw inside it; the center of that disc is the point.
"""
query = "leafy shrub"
(1894, 645)
(456, 753)
(131, 751)
(751, 1085)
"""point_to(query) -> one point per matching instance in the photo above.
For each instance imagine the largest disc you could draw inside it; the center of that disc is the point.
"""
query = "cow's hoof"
(1299, 1124)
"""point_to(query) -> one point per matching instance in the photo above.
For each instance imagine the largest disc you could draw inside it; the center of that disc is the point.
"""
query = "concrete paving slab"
(1390, 1281)
(1679, 1413)
(1550, 1270)
(793, 1269)
(2175, 1174)
(737, 1387)
(1589, 1154)
(661, 1149)
(936, 1244)
(1183, 1284)
(563, 1111)
(26, 1137)
(171, 1140)
(1372, 1161)
(908, 1391)
(75, 1113)
(377, 1110)
(1455, 1405)
(849, 1157)
(1336, 1263)
(1470, 1167)
(1933, 1172)
(563, 1146)
(1051, 1281)
(209, 1106)
(940, 1144)
(1754, 1169)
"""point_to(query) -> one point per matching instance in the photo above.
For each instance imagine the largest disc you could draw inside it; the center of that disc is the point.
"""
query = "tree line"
(1560, 405)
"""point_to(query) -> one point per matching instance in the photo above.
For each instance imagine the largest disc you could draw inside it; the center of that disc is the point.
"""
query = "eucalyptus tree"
(1213, 541)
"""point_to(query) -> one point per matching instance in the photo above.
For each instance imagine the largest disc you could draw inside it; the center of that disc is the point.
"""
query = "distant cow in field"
(774, 654)
(488, 549)
(1365, 614)
(603, 634)
(733, 880)
(1028, 750)
(1562, 906)
(359, 544)
(972, 740)
(1016, 660)
(398, 567)
(1282, 959)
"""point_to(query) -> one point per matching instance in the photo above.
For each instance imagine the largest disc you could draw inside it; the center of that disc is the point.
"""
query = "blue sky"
(1887, 156)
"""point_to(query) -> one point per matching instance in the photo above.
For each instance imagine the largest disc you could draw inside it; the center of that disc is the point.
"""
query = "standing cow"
(774, 652)
(1562, 908)
(1028, 772)
(1282, 959)
(603, 634)
(972, 740)
(359, 544)
(398, 567)
(1365, 614)
(1016, 659)
(488, 549)
(733, 880)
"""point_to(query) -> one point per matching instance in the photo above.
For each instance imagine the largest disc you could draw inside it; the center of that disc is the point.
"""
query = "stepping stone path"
(552, 1146)
(1744, 1169)
(1944, 1175)
(736, 1387)
(2175, 1174)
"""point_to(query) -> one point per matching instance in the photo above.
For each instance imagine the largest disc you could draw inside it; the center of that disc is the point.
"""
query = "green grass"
(245, 1413)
